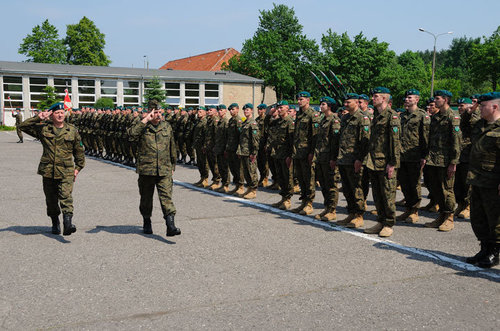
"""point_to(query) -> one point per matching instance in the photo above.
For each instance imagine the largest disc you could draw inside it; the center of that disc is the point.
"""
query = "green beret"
(350, 96)
(381, 89)
(364, 97)
(430, 100)
(201, 108)
(211, 107)
(18, 108)
(292, 107)
(443, 93)
(489, 96)
(412, 92)
(222, 107)
(233, 105)
(329, 101)
(475, 96)
(262, 106)
(282, 103)
(248, 105)
(57, 106)
(304, 94)
(465, 101)
(190, 108)
(169, 108)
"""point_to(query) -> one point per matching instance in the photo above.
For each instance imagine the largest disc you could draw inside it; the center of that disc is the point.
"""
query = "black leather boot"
(490, 259)
(476, 258)
(68, 227)
(171, 229)
(146, 225)
(56, 228)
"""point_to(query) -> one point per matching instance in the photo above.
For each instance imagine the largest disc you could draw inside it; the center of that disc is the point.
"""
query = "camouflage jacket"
(354, 137)
(467, 121)
(414, 135)
(261, 122)
(306, 128)
(59, 150)
(249, 138)
(233, 134)
(444, 139)
(272, 129)
(221, 136)
(384, 147)
(281, 143)
(200, 132)
(212, 123)
(156, 150)
(327, 144)
(484, 161)
(19, 118)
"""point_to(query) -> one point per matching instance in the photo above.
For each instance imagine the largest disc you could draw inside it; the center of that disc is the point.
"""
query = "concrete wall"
(244, 93)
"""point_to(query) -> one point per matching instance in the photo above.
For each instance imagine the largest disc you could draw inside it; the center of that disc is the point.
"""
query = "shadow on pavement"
(34, 230)
(442, 263)
(129, 229)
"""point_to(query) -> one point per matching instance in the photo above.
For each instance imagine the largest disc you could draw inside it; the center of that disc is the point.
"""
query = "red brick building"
(211, 61)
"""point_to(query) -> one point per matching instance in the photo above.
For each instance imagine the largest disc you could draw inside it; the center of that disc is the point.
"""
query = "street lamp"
(434, 56)
(146, 62)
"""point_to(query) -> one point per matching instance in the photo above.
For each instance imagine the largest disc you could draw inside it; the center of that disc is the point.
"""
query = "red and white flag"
(67, 101)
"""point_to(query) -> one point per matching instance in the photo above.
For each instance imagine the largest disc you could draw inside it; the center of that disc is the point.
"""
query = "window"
(61, 84)
(173, 92)
(13, 89)
(86, 92)
(37, 85)
(130, 93)
(192, 94)
(109, 89)
(212, 94)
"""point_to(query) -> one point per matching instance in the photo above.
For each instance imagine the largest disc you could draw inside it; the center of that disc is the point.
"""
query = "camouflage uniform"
(212, 123)
(19, 119)
(249, 145)
(199, 136)
(262, 163)
(233, 139)
(281, 146)
(219, 149)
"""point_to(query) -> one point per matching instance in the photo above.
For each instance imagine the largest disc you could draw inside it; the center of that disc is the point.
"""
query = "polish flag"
(67, 101)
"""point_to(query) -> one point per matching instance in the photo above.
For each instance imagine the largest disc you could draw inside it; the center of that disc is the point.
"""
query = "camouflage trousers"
(485, 214)
(326, 178)
(272, 165)
(441, 188)
(352, 189)
(461, 188)
(202, 163)
(250, 171)
(182, 147)
(19, 133)
(214, 169)
(189, 149)
(409, 175)
(58, 195)
(236, 168)
(262, 164)
(384, 196)
(365, 182)
(223, 169)
(306, 178)
(146, 189)
(284, 176)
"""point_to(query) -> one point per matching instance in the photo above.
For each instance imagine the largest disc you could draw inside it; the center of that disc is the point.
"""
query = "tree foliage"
(86, 44)
(43, 45)
(49, 97)
(485, 60)
(154, 91)
(104, 102)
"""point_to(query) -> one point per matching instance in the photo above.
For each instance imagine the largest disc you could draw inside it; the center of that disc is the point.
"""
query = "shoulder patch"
(394, 116)
(457, 128)
(366, 128)
(395, 129)
(457, 117)
(316, 114)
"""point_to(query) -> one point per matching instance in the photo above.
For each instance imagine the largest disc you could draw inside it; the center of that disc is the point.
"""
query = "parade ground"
(237, 265)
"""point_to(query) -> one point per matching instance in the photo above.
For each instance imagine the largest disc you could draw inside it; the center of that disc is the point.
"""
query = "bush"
(104, 103)
(7, 128)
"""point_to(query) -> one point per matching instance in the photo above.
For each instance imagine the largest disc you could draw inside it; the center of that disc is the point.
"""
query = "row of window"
(13, 91)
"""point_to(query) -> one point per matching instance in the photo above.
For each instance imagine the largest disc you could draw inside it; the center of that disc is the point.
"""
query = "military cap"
(248, 105)
(282, 103)
(381, 89)
(364, 97)
(464, 100)
(57, 106)
(211, 107)
(221, 106)
(18, 108)
(190, 108)
(328, 101)
(489, 96)
(475, 96)
(233, 105)
(201, 108)
(292, 107)
(412, 91)
(350, 96)
(262, 106)
(370, 106)
(443, 93)
(430, 100)
(169, 107)
(304, 94)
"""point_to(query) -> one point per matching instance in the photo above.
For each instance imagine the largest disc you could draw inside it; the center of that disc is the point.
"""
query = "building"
(204, 62)
(23, 82)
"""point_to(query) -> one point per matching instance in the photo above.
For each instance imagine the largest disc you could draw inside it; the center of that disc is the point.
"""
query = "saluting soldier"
(484, 178)
(62, 160)
(155, 166)
(19, 119)
(442, 158)
(383, 161)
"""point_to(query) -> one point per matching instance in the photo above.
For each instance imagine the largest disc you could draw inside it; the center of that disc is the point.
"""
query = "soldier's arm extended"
(137, 129)
(32, 126)
(78, 152)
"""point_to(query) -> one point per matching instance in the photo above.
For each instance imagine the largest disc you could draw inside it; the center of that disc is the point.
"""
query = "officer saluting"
(61, 144)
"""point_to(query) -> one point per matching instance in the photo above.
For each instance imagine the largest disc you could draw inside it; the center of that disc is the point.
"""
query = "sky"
(164, 30)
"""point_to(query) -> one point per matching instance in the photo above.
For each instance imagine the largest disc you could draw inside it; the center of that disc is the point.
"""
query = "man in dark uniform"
(262, 163)
(19, 119)
(61, 144)
(233, 139)
(484, 178)
(248, 148)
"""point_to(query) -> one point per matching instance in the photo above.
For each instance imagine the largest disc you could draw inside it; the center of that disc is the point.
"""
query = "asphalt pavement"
(237, 265)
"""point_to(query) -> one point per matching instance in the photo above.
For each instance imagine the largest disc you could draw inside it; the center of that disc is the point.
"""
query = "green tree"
(43, 45)
(86, 44)
(485, 60)
(278, 52)
(104, 103)
(153, 91)
(49, 97)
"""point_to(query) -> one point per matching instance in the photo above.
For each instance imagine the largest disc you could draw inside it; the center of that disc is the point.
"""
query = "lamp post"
(146, 62)
(434, 56)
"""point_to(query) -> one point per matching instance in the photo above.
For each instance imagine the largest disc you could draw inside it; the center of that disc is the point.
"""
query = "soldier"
(182, 135)
(248, 148)
(469, 115)
(199, 136)
(354, 137)
(155, 166)
(220, 147)
(61, 144)
(269, 127)
(19, 119)
(233, 139)
(325, 158)
(189, 136)
(306, 128)
(212, 123)
(367, 111)
(414, 138)
(484, 178)
(383, 161)
(281, 146)
(262, 163)
(442, 158)
(432, 206)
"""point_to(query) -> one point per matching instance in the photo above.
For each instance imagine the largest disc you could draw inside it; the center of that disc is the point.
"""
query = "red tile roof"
(204, 62)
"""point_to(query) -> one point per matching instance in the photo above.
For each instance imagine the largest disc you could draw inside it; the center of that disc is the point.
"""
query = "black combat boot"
(146, 225)
(68, 227)
(183, 160)
(476, 258)
(490, 259)
(171, 229)
(56, 228)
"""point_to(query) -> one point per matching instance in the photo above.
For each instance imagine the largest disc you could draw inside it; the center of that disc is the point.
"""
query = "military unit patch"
(395, 129)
